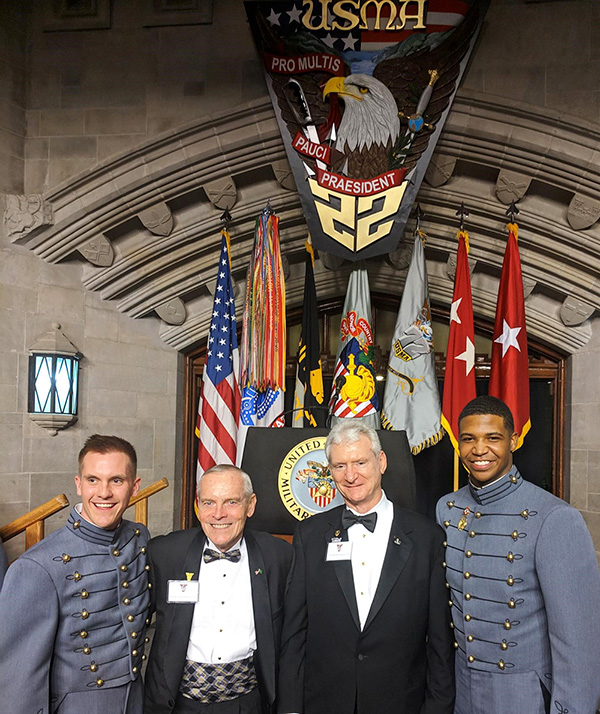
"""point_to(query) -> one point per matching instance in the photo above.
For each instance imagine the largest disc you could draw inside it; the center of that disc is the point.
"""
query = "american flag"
(219, 406)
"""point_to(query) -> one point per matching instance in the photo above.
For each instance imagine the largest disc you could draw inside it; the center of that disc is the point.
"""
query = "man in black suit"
(367, 627)
(218, 595)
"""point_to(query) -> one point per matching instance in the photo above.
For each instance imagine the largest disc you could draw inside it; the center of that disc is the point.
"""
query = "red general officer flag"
(509, 379)
(459, 379)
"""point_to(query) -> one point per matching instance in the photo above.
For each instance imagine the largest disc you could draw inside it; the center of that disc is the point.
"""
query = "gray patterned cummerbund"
(211, 683)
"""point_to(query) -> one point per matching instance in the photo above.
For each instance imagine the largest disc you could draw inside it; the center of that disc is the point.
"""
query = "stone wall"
(129, 386)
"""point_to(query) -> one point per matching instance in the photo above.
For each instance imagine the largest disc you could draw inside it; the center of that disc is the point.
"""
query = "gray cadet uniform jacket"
(73, 612)
(525, 597)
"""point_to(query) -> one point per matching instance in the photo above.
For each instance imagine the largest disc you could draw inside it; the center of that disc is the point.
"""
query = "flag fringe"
(430, 441)
(425, 444)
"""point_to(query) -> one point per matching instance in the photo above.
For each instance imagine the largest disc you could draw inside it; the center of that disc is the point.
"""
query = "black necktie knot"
(211, 555)
(349, 519)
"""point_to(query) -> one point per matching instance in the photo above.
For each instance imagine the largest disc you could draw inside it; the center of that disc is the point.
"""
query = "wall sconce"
(53, 381)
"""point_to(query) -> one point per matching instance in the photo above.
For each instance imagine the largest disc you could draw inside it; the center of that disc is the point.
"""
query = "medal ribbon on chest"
(462, 524)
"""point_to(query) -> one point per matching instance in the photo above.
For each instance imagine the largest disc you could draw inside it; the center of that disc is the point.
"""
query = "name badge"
(339, 550)
(183, 591)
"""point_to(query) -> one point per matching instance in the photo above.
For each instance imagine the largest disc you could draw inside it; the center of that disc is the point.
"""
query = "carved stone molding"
(98, 251)
(451, 266)
(283, 174)
(24, 215)
(575, 312)
(583, 212)
(511, 186)
(172, 312)
(440, 170)
(158, 219)
(222, 193)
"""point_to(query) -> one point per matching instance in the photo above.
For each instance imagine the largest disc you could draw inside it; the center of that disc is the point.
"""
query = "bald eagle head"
(370, 112)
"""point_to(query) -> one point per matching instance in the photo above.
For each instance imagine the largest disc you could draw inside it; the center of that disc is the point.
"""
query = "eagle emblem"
(361, 90)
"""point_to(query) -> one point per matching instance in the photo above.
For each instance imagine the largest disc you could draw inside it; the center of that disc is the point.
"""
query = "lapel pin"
(258, 572)
(337, 534)
(397, 541)
(189, 576)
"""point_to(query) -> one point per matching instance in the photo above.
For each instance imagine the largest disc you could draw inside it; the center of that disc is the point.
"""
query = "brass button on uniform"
(467, 575)
(507, 625)
(467, 618)
(478, 514)
(525, 514)
(455, 645)
(76, 576)
(84, 614)
(515, 535)
(125, 584)
(445, 544)
(134, 635)
(510, 557)
(512, 604)
(66, 558)
(501, 664)
(116, 552)
(134, 653)
(471, 658)
(83, 634)
(123, 568)
(446, 523)
(146, 568)
(94, 667)
(126, 601)
(510, 580)
(134, 670)
(470, 638)
(137, 531)
(472, 534)
(146, 640)
(99, 682)
(450, 504)
(467, 596)
(130, 618)
(76, 524)
(443, 564)
(468, 553)
(504, 645)
(85, 594)
(144, 658)
(143, 549)
(87, 650)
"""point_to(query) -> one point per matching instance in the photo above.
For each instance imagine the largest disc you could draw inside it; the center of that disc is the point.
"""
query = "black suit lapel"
(261, 606)
(397, 554)
(181, 617)
(343, 569)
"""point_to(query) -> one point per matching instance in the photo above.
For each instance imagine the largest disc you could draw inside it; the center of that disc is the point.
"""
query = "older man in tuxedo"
(218, 595)
(366, 625)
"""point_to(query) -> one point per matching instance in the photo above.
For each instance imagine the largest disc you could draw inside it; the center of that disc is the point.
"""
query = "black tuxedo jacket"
(402, 662)
(170, 557)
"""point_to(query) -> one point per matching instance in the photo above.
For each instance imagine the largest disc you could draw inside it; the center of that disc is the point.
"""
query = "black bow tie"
(349, 519)
(211, 555)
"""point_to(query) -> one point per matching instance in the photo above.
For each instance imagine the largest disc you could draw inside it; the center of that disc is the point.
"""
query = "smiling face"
(485, 447)
(223, 507)
(105, 484)
(357, 472)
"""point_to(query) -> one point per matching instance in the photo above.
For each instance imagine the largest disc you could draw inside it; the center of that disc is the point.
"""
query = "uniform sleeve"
(3, 564)
(569, 578)
(439, 697)
(29, 614)
(290, 697)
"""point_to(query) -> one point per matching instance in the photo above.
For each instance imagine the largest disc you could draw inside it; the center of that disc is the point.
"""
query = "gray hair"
(350, 431)
(223, 468)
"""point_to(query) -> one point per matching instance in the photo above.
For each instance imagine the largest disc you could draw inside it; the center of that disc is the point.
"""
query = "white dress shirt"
(223, 623)
(368, 554)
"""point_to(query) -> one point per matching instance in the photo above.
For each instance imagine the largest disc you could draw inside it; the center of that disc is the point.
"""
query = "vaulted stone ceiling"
(146, 224)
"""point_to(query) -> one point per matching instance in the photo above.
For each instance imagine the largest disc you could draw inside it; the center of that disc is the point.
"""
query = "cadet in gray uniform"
(73, 608)
(524, 582)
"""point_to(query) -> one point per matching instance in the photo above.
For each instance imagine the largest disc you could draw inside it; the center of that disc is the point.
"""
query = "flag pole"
(456, 467)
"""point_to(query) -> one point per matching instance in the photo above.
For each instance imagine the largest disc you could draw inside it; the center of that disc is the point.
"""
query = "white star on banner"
(508, 338)
(349, 43)
(454, 311)
(329, 40)
(294, 14)
(468, 356)
(274, 17)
